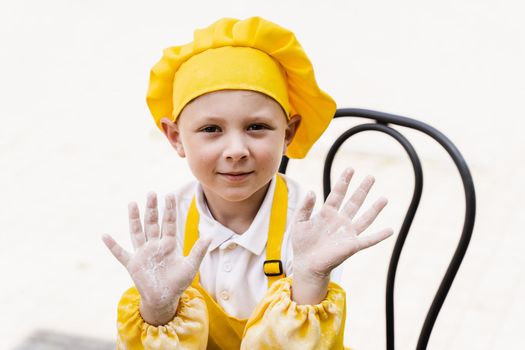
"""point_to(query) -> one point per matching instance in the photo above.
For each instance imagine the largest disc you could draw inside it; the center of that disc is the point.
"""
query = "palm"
(323, 241)
(159, 272)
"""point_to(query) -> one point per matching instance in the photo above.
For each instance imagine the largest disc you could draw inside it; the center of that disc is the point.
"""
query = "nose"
(236, 148)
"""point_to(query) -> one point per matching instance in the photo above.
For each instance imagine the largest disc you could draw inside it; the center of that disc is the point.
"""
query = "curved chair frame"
(381, 124)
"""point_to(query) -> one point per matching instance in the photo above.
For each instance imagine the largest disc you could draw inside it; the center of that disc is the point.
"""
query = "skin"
(233, 141)
(324, 241)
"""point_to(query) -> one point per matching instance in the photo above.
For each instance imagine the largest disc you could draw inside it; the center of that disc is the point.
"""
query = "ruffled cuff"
(279, 323)
(188, 330)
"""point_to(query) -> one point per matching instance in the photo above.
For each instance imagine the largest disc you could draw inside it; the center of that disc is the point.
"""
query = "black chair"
(381, 124)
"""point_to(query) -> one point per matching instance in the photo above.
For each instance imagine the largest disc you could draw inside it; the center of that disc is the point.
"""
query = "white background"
(77, 143)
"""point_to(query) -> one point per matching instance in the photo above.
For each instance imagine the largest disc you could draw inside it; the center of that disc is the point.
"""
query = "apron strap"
(191, 233)
(273, 267)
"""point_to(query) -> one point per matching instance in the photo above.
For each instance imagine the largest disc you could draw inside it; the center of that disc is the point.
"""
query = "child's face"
(233, 140)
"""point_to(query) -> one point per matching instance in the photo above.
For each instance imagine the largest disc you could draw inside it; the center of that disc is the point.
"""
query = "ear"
(171, 130)
(291, 130)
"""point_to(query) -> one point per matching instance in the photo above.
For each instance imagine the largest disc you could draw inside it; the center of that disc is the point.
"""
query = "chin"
(240, 193)
(236, 192)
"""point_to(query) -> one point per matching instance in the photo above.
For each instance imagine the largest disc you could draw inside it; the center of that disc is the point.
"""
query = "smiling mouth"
(237, 173)
(236, 176)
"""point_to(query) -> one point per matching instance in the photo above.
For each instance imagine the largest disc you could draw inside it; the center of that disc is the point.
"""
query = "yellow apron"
(226, 331)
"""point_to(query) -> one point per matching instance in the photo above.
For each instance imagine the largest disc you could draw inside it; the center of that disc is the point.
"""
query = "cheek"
(270, 153)
(200, 156)
(202, 159)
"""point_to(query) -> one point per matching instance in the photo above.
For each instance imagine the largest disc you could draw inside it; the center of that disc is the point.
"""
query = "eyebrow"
(211, 118)
(253, 118)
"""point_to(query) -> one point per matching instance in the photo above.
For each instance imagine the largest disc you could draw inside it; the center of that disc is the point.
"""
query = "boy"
(214, 275)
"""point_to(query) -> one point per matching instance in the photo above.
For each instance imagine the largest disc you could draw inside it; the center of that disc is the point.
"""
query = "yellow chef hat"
(252, 54)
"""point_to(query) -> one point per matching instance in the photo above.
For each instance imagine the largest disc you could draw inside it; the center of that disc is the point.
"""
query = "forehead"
(231, 103)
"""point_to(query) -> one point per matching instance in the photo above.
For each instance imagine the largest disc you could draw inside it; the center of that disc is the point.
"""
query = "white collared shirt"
(232, 269)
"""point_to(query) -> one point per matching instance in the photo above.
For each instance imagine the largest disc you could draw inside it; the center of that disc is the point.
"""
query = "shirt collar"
(208, 226)
(254, 239)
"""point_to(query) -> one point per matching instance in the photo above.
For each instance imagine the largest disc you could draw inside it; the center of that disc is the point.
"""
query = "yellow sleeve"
(188, 330)
(279, 323)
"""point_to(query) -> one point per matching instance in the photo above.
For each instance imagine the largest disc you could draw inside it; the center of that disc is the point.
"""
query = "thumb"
(306, 208)
(198, 252)
(118, 252)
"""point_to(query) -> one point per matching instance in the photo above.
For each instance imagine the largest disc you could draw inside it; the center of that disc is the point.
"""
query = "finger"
(370, 215)
(307, 206)
(358, 197)
(168, 219)
(135, 227)
(118, 252)
(336, 196)
(198, 252)
(367, 241)
(151, 217)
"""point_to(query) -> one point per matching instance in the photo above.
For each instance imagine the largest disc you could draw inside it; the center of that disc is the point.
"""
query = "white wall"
(77, 143)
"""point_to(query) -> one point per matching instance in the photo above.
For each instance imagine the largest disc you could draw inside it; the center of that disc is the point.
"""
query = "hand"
(324, 241)
(159, 272)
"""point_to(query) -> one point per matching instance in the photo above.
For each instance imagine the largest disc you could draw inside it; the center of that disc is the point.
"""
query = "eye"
(210, 129)
(256, 127)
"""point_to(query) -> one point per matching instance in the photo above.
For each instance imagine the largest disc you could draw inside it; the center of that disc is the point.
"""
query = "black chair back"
(382, 122)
